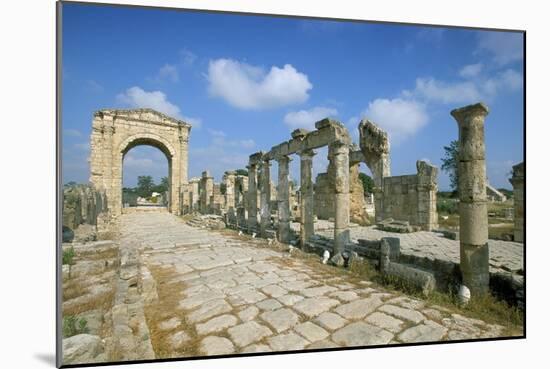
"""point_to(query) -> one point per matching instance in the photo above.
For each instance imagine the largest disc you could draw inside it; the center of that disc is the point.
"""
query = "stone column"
(283, 200)
(207, 190)
(229, 180)
(183, 179)
(252, 195)
(474, 249)
(427, 195)
(339, 157)
(518, 182)
(265, 197)
(306, 196)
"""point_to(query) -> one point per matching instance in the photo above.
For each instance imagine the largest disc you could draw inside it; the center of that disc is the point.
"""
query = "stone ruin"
(518, 182)
(83, 205)
(115, 132)
(253, 203)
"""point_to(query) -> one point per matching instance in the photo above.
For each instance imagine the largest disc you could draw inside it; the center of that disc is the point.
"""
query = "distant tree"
(145, 186)
(164, 186)
(368, 183)
(70, 184)
(223, 188)
(450, 163)
(241, 172)
(164, 182)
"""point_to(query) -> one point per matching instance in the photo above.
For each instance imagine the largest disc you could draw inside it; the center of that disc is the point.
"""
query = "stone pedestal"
(339, 157)
(518, 182)
(283, 199)
(474, 249)
(265, 197)
(306, 196)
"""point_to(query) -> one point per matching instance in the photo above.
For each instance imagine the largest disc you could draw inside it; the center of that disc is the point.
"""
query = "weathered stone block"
(473, 223)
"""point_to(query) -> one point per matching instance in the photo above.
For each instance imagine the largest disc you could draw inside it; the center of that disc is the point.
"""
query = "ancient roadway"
(208, 292)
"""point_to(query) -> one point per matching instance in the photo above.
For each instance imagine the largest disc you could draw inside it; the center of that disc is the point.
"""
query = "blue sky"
(245, 82)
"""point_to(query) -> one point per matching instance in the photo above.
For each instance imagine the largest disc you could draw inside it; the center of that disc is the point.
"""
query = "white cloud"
(400, 118)
(72, 133)
(466, 92)
(445, 92)
(505, 47)
(168, 72)
(509, 81)
(138, 98)
(471, 70)
(248, 87)
(307, 118)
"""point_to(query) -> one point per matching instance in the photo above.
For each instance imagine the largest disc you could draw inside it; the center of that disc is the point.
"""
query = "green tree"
(241, 172)
(164, 186)
(450, 163)
(145, 186)
(368, 183)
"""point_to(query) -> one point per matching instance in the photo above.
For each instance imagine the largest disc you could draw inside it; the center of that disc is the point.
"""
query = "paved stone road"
(236, 294)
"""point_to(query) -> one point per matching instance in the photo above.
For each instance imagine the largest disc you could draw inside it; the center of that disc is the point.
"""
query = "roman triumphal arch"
(115, 132)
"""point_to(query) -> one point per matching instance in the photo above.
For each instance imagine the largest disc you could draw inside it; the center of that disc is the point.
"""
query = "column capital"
(339, 147)
(283, 159)
(466, 113)
(306, 154)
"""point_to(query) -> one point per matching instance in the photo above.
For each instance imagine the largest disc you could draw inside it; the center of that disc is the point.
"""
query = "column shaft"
(283, 200)
(252, 198)
(265, 198)
(306, 196)
(474, 248)
(339, 156)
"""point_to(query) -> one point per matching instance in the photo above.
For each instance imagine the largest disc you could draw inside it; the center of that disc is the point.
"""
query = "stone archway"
(115, 132)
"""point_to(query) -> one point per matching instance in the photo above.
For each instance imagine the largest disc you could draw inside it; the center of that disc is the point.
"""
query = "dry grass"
(102, 301)
(166, 307)
(78, 288)
(74, 288)
(94, 254)
(487, 307)
(500, 231)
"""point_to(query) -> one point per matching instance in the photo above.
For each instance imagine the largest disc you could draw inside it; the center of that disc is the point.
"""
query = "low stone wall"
(412, 198)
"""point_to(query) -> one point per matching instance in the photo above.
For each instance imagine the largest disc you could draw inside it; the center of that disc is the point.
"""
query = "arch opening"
(146, 175)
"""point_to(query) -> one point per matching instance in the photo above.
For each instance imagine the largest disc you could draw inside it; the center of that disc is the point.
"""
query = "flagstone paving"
(236, 294)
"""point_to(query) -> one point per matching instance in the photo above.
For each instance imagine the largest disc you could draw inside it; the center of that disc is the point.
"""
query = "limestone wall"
(412, 197)
(324, 196)
(82, 204)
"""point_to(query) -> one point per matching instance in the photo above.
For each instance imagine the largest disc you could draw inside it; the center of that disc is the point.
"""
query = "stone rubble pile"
(209, 221)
